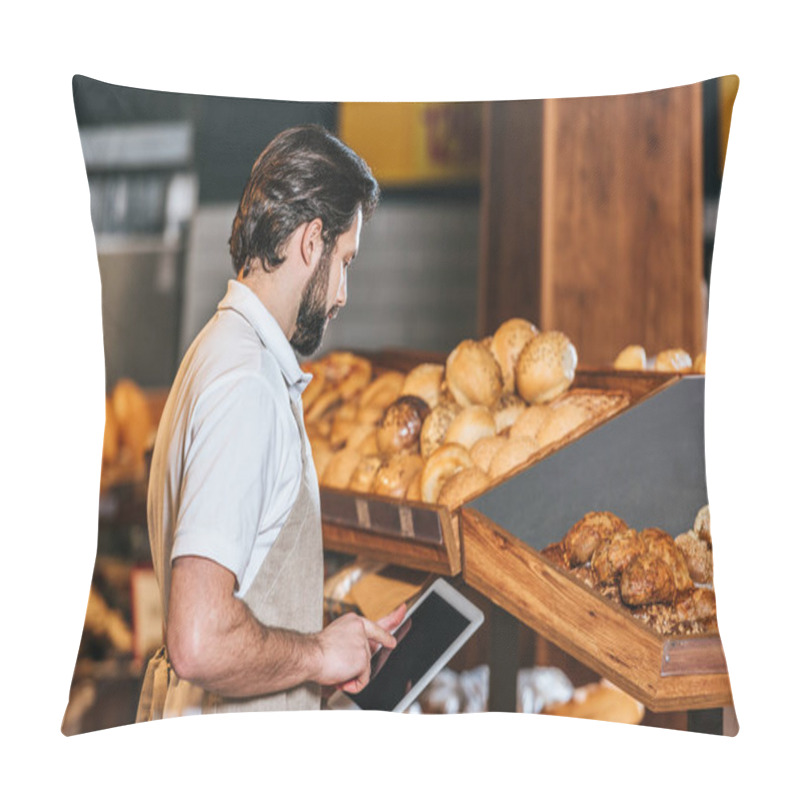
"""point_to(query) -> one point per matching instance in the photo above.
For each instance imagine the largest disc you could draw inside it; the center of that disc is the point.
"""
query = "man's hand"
(387, 623)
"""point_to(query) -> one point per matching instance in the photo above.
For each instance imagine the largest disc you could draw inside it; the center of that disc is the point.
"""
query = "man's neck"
(280, 299)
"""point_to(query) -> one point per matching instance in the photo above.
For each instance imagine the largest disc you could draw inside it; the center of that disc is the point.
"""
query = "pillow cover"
(591, 216)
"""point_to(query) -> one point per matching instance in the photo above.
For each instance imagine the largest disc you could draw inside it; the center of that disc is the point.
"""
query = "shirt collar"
(244, 301)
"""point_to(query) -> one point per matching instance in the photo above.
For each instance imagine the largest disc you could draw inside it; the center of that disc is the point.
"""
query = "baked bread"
(434, 428)
(599, 701)
(507, 344)
(484, 450)
(530, 420)
(363, 477)
(660, 544)
(702, 524)
(425, 381)
(546, 367)
(340, 469)
(470, 425)
(673, 360)
(699, 364)
(135, 422)
(401, 425)
(414, 491)
(394, 476)
(507, 410)
(461, 486)
(631, 357)
(321, 454)
(698, 557)
(560, 423)
(110, 435)
(382, 391)
(647, 579)
(586, 534)
(472, 375)
(515, 452)
(613, 554)
(443, 462)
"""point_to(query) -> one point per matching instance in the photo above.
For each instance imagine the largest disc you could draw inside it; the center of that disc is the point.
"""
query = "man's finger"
(375, 633)
(393, 619)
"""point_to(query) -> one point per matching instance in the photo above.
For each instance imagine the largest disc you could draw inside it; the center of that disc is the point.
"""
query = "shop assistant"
(233, 501)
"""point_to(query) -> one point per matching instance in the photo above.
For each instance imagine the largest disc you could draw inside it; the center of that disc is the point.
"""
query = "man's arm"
(214, 641)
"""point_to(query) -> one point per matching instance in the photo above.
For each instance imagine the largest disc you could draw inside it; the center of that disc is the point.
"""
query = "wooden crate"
(426, 536)
(664, 673)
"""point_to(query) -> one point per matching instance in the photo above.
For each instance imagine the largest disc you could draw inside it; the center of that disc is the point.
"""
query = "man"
(233, 502)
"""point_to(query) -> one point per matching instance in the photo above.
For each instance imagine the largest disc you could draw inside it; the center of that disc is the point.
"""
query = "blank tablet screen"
(422, 639)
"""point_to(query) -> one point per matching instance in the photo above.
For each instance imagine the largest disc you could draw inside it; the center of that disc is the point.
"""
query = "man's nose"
(341, 296)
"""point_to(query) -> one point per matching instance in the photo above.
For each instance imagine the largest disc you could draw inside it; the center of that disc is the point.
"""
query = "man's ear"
(311, 243)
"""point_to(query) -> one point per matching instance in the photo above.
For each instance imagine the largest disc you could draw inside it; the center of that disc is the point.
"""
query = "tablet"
(434, 629)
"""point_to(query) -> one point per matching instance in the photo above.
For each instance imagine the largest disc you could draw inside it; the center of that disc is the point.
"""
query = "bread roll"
(435, 426)
(483, 451)
(383, 391)
(472, 375)
(702, 524)
(321, 454)
(340, 469)
(132, 413)
(358, 436)
(369, 444)
(699, 364)
(363, 476)
(674, 360)
(401, 425)
(461, 486)
(425, 381)
(395, 475)
(327, 401)
(470, 424)
(507, 344)
(582, 539)
(530, 421)
(414, 491)
(110, 435)
(512, 454)
(631, 357)
(698, 557)
(443, 462)
(546, 367)
(507, 410)
(599, 701)
(370, 415)
(560, 423)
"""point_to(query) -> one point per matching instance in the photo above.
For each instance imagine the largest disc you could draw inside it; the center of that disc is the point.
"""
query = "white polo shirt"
(227, 466)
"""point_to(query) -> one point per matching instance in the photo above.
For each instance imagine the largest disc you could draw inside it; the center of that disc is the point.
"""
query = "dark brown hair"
(304, 173)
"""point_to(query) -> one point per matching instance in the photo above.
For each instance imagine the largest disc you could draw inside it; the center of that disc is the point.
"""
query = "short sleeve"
(238, 441)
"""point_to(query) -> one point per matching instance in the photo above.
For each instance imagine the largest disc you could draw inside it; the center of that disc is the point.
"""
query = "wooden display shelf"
(426, 536)
(410, 534)
(664, 673)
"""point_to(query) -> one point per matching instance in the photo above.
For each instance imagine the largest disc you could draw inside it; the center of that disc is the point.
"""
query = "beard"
(313, 315)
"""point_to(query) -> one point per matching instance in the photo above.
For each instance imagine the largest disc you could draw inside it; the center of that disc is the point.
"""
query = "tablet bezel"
(464, 607)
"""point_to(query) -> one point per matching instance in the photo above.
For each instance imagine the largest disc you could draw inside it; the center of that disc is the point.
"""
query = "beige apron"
(286, 593)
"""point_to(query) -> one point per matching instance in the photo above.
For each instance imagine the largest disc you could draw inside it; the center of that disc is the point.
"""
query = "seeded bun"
(546, 367)
(394, 476)
(674, 360)
(461, 486)
(483, 451)
(469, 425)
(507, 344)
(506, 410)
(631, 357)
(425, 381)
(513, 453)
(401, 424)
(443, 462)
(472, 375)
